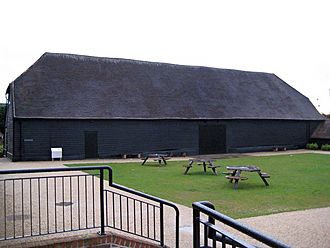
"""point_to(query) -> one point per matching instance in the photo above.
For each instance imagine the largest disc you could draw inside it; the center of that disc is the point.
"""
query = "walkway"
(309, 228)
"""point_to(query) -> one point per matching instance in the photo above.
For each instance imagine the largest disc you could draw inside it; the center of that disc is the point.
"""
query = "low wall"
(91, 240)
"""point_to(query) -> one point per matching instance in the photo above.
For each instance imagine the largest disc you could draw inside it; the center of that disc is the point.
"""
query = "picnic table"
(201, 161)
(156, 157)
(234, 174)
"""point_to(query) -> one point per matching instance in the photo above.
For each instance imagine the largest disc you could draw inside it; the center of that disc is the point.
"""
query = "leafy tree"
(2, 117)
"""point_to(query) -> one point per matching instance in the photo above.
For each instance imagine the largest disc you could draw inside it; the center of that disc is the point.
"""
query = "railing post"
(177, 230)
(102, 232)
(196, 228)
(161, 224)
(210, 231)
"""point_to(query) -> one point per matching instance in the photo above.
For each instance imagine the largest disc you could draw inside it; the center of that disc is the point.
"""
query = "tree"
(2, 117)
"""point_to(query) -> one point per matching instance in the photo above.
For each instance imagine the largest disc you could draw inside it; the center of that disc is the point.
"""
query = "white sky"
(286, 37)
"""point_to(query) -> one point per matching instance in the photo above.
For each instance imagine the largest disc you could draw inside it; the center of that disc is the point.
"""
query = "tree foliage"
(2, 117)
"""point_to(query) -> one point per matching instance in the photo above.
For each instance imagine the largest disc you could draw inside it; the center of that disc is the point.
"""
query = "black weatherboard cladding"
(117, 137)
(103, 107)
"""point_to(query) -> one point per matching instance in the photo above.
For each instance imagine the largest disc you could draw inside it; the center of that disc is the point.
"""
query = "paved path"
(309, 228)
(45, 213)
(305, 229)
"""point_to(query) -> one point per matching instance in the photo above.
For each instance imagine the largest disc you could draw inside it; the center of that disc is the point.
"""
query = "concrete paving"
(61, 210)
(303, 229)
(309, 228)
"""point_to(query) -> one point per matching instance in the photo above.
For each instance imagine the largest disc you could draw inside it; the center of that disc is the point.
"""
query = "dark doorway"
(212, 139)
(91, 150)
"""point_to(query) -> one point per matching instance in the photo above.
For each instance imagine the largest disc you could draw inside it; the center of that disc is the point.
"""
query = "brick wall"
(91, 240)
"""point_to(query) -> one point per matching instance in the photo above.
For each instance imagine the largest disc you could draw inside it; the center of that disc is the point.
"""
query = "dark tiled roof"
(322, 131)
(76, 86)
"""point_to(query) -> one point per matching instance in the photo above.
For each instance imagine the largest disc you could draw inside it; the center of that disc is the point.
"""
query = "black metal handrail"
(162, 202)
(217, 235)
(59, 169)
(103, 194)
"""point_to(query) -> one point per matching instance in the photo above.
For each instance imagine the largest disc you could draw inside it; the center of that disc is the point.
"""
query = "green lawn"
(297, 182)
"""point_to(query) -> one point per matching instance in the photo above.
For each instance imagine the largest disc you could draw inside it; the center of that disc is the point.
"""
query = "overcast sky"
(288, 38)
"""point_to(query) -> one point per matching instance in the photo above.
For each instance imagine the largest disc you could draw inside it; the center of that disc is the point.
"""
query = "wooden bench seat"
(206, 163)
(264, 175)
(165, 158)
(236, 178)
(213, 166)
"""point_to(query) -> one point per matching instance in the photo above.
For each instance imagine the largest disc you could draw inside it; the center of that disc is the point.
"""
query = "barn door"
(212, 139)
(91, 148)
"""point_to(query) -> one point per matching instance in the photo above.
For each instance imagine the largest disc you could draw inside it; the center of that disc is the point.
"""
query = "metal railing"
(143, 215)
(212, 234)
(66, 202)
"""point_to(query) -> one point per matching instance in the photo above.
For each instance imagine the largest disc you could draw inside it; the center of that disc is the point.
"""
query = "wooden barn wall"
(319, 141)
(260, 135)
(116, 137)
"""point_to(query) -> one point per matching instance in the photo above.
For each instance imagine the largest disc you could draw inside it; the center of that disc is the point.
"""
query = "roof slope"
(76, 86)
(322, 131)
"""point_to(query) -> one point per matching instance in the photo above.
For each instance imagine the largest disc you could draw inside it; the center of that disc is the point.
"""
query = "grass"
(297, 182)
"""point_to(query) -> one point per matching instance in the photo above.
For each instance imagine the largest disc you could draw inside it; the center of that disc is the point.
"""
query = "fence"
(215, 235)
(66, 201)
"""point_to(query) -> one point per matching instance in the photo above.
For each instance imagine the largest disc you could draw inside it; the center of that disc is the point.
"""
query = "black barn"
(102, 107)
(321, 135)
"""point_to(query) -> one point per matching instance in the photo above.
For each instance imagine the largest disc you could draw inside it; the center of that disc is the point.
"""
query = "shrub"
(312, 146)
(325, 147)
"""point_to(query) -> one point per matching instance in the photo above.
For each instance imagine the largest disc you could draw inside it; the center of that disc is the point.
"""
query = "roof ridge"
(137, 61)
